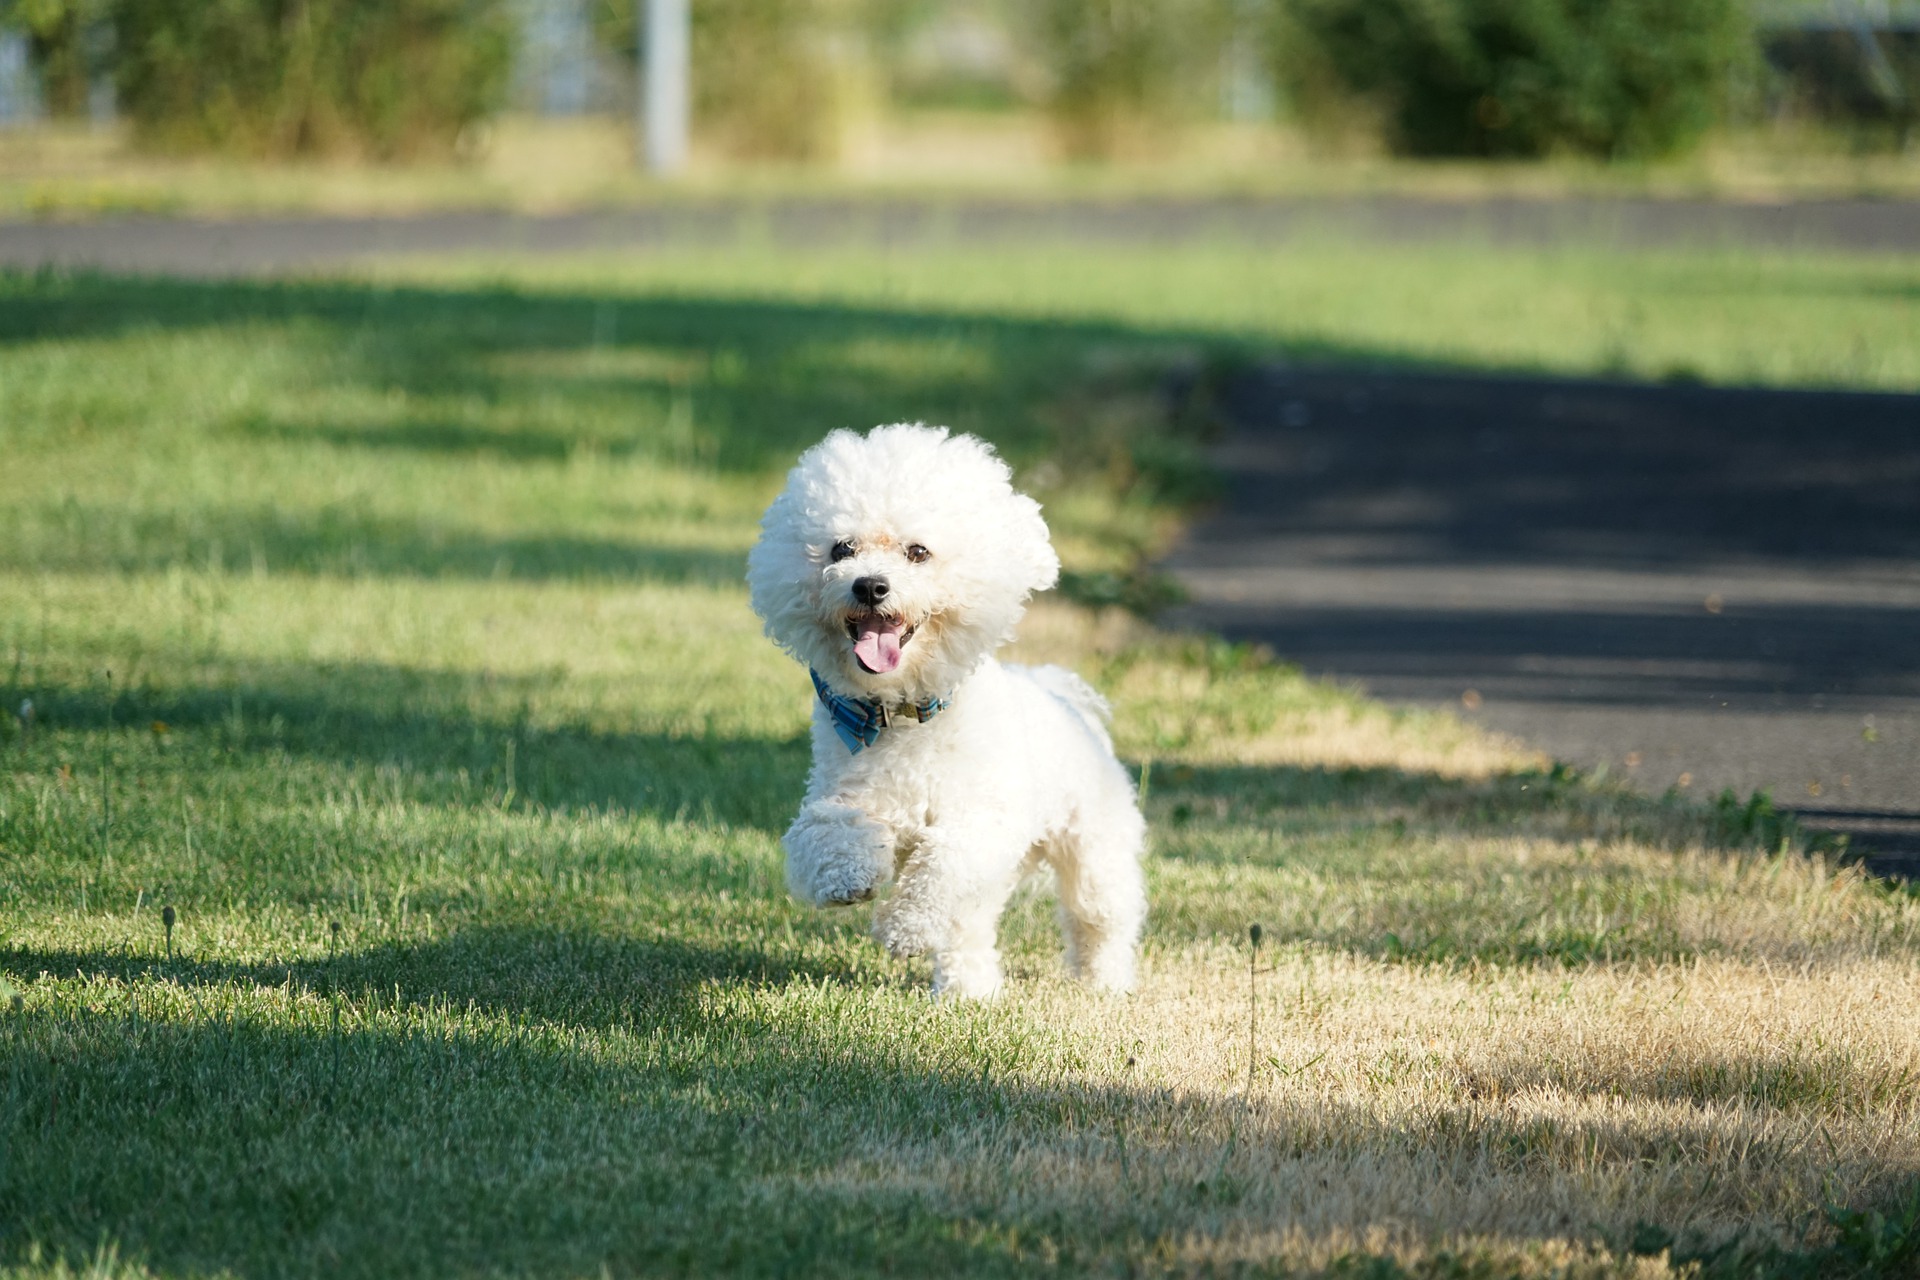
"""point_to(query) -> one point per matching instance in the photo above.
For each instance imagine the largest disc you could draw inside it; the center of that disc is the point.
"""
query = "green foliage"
(1879, 1243)
(1612, 78)
(386, 78)
(1123, 69)
(763, 85)
(1864, 82)
(68, 40)
(1753, 821)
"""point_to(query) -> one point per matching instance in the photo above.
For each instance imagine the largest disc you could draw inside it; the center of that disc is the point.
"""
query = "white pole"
(664, 110)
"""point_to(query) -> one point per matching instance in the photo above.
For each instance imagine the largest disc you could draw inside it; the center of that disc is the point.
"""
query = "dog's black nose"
(870, 591)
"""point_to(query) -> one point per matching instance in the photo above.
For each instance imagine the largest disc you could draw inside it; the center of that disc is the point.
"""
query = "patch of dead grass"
(1526, 1116)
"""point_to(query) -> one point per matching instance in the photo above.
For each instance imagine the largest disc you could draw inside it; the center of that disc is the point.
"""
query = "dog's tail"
(1080, 697)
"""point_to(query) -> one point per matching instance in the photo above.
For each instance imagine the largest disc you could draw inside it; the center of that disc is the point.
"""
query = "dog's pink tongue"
(877, 646)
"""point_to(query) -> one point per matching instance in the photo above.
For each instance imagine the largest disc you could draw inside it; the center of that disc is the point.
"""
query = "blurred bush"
(69, 41)
(764, 83)
(1124, 72)
(389, 79)
(1861, 81)
(1609, 78)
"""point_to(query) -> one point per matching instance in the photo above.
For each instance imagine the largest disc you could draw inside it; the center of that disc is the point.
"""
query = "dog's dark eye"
(919, 554)
(842, 549)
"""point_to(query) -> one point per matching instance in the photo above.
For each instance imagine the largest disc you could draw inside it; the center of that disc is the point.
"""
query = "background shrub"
(1124, 70)
(386, 78)
(763, 83)
(1612, 78)
(1864, 82)
(71, 42)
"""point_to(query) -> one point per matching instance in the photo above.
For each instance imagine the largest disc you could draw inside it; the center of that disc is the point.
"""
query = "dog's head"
(893, 562)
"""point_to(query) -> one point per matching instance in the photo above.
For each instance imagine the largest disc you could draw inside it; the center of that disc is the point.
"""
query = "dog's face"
(893, 562)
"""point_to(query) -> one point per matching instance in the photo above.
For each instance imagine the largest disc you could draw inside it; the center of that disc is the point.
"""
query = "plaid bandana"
(859, 721)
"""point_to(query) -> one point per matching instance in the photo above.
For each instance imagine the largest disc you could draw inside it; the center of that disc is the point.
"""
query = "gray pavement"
(1697, 588)
(243, 246)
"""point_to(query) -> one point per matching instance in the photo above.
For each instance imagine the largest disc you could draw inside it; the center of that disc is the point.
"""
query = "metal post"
(664, 111)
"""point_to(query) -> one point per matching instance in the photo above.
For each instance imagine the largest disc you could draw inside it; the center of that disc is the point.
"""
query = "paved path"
(252, 245)
(1698, 588)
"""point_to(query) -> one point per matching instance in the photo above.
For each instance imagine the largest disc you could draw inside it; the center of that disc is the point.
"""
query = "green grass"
(1732, 316)
(390, 631)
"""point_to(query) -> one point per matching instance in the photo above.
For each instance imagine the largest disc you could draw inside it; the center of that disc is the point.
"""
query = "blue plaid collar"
(859, 721)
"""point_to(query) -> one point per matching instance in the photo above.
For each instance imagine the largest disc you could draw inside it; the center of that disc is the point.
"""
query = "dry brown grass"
(1506, 1112)
(542, 165)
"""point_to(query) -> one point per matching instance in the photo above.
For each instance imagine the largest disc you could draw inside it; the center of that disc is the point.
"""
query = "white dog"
(892, 565)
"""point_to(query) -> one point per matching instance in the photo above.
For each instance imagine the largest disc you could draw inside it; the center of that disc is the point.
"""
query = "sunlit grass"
(1732, 315)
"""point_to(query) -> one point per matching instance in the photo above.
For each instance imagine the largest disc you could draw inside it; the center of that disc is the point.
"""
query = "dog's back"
(1079, 696)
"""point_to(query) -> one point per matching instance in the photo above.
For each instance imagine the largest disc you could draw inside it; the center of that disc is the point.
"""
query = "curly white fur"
(1016, 773)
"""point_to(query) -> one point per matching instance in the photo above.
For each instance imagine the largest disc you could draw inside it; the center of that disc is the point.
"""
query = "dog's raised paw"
(902, 933)
(843, 884)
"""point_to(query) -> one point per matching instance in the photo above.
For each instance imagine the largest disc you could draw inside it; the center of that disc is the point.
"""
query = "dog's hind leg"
(1103, 896)
(967, 965)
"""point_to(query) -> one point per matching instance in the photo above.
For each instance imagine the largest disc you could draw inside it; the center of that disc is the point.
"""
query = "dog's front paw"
(903, 931)
(836, 856)
(846, 897)
(840, 883)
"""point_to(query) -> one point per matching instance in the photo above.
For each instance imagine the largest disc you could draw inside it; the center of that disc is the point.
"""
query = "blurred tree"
(770, 75)
(385, 78)
(1843, 69)
(63, 37)
(1124, 72)
(764, 71)
(1612, 78)
(884, 28)
(762, 80)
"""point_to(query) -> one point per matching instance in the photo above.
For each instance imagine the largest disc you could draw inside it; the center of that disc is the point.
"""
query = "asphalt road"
(254, 245)
(1698, 588)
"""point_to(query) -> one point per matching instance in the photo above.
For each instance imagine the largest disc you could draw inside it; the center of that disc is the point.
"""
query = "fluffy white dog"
(892, 565)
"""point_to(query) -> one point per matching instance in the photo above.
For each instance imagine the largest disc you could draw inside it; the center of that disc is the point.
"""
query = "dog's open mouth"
(877, 640)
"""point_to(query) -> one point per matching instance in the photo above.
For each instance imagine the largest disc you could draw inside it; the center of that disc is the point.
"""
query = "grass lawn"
(387, 634)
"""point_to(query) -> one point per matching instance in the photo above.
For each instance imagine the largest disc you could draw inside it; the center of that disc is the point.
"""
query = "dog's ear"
(1032, 546)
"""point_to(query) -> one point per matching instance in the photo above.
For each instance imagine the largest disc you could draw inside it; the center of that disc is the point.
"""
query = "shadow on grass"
(504, 1101)
(1423, 869)
(768, 378)
(432, 737)
(531, 380)
(528, 972)
(1557, 803)
(439, 436)
(355, 543)
(518, 1099)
